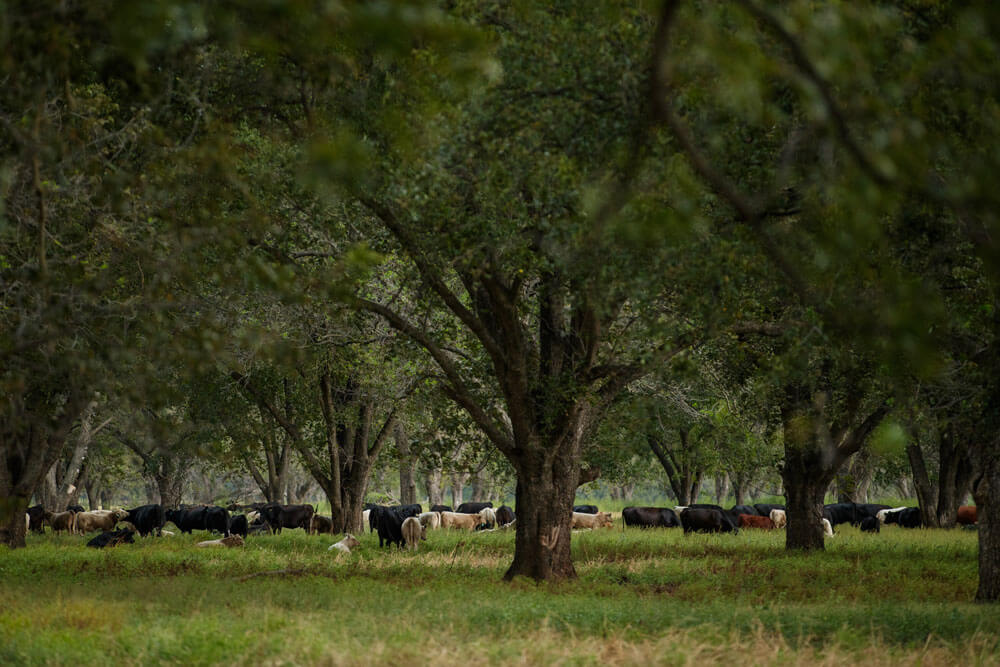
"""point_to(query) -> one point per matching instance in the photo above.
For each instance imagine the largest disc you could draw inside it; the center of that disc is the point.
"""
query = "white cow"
(430, 519)
(827, 528)
(413, 532)
(779, 518)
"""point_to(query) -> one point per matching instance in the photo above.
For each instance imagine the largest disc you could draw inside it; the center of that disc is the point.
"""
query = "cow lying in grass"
(346, 544)
(231, 541)
(112, 538)
(591, 521)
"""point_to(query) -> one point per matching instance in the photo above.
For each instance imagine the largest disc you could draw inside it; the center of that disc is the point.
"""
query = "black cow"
(472, 508)
(909, 518)
(764, 509)
(705, 506)
(869, 510)
(870, 524)
(75, 508)
(838, 513)
(112, 538)
(585, 509)
(706, 521)
(372, 516)
(238, 525)
(287, 516)
(650, 517)
(389, 525)
(440, 508)
(505, 515)
(258, 527)
(200, 517)
(35, 515)
(406, 511)
(147, 519)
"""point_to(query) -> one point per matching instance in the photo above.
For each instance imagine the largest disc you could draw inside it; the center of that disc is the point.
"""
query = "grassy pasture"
(901, 597)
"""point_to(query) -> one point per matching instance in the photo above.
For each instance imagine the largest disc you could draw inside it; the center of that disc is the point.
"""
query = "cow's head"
(604, 519)
(350, 541)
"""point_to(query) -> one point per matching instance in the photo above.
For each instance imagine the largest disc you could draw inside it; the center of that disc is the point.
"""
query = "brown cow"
(751, 521)
(320, 524)
(60, 520)
(967, 515)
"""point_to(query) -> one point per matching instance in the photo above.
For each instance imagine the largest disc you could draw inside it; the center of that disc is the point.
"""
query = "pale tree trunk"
(458, 480)
(855, 478)
(479, 491)
(407, 478)
(721, 488)
(93, 488)
(63, 482)
(432, 480)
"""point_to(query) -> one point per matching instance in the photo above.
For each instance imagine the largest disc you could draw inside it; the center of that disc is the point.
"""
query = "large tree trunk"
(815, 450)
(803, 505)
(926, 492)
(170, 488)
(544, 500)
(30, 443)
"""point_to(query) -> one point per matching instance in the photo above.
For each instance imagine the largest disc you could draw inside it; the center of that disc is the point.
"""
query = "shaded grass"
(642, 596)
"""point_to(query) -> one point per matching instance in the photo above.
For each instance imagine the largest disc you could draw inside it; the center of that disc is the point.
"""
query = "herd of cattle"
(406, 525)
(869, 517)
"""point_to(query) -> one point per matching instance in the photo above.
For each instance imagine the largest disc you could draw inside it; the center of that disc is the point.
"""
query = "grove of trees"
(307, 245)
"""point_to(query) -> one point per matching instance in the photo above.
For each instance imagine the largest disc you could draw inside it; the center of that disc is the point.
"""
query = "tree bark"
(458, 480)
(407, 478)
(721, 488)
(986, 492)
(432, 480)
(544, 506)
(815, 450)
(926, 492)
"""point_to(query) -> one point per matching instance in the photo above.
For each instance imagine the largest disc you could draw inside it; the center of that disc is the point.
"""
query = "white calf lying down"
(231, 541)
(346, 544)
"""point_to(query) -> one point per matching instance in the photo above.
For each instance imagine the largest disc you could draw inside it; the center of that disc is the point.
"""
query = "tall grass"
(901, 597)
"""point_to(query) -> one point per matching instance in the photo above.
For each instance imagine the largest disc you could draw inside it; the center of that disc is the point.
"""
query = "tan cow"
(60, 520)
(779, 518)
(460, 521)
(413, 532)
(86, 522)
(430, 519)
(592, 521)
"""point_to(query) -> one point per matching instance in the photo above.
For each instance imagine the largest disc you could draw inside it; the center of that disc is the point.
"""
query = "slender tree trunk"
(479, 492)
(407, 478)
(721, 488)
(169, 487)
(432, 479)
(93, 489)
(926, 492)
(458, 480)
